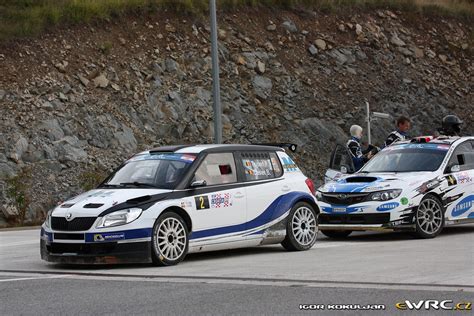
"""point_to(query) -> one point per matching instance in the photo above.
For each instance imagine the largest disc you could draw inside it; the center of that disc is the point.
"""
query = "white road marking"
(21, 243)
(36, 278)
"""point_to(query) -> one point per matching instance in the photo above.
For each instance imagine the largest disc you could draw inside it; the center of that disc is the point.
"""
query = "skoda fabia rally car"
(418, 186)
(164, 203)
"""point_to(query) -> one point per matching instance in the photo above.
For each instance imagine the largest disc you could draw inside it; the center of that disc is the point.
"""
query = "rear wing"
(291, 147)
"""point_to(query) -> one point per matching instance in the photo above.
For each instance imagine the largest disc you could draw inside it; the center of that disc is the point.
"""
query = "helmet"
(451, 125)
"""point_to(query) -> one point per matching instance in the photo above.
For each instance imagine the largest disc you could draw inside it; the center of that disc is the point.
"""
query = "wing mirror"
(344, 169)
(455, 168)
(198, 183)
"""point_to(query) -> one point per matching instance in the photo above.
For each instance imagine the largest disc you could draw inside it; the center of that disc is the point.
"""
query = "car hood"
(94, 202)
(361, 183)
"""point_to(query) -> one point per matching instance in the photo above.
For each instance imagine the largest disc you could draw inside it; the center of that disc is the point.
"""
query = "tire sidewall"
(419, 232)
(155, 252)
(289, 229)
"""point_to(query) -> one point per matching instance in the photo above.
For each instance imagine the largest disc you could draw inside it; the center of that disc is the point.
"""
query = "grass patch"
(20, 18)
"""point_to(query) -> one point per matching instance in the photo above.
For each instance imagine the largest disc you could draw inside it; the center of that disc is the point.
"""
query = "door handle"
(238, 195)
(285, 188)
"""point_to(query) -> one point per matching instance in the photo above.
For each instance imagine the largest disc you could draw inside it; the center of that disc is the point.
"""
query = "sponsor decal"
(341, 209)
(463, 206)
(451, 180)
(257, 167)
(404, 201)
(443, 147)
(102, 194)
(202, 202)
(463, 178)
(289, 165)
(109, 237)
(175, 157)
(185, 204)
(388, 206)
(434, 305)
(219, 200)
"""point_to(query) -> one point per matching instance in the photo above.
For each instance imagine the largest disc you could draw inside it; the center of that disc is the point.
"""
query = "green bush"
(19, 18)
(18, 188)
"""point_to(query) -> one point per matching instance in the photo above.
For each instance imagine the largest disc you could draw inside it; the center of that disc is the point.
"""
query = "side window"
(463, 156)
(341, 158)
(217, 169)
(276, 164)
(257, 166)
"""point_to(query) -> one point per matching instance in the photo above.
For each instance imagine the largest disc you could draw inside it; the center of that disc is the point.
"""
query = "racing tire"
(336, 234)
(429, 218)
(170, 240)
(301, 228)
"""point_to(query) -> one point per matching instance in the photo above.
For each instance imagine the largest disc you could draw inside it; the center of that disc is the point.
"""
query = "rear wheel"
(169, 240)
(336, 234)
(429, 218)
(301, 228)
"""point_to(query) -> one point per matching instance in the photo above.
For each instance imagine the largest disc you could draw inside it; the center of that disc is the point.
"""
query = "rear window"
(259, 166)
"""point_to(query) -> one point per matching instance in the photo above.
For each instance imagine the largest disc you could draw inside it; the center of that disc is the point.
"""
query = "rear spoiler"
(291, 147)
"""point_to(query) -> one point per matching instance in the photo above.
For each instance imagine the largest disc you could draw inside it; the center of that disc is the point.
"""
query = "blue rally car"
(418, 186)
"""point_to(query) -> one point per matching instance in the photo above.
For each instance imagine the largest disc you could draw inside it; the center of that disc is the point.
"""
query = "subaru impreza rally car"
(164, 203)
(418, 186)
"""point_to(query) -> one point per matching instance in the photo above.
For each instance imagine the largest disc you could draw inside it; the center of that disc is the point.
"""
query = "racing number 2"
(202, 202)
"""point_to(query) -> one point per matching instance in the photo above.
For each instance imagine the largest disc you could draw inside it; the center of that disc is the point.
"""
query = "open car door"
(340, 164)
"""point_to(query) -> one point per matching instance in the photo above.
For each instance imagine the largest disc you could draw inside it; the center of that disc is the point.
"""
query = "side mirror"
(455, 168)
(344, 169)
(198, 183)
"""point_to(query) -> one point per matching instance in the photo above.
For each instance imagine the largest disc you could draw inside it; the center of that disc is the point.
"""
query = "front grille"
(354, 219)
(344, 199)
(77, 224)
(66, 236)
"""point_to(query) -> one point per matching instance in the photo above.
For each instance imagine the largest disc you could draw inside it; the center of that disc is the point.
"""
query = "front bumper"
(365, 218)
(70, 251)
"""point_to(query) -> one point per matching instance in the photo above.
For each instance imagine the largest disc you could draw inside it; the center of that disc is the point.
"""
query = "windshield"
(162, 170)
(408, 158)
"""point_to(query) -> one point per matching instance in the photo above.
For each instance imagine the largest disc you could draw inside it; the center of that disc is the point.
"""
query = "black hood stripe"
(153, 199)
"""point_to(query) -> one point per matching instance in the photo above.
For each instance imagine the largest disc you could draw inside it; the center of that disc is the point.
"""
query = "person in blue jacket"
(359, 156)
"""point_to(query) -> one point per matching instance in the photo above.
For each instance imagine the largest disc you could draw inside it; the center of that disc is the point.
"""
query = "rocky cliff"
(75, 102)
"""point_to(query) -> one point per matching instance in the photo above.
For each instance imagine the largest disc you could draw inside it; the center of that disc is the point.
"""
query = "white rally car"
(164, 203)
(418, 186)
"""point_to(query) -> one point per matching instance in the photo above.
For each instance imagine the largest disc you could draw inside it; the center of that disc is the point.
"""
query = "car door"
(340, 164)
(219, 206)
(460, 178)
(262, 176)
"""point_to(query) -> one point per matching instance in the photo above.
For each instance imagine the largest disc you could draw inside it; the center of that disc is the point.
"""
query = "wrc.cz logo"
(434, 305)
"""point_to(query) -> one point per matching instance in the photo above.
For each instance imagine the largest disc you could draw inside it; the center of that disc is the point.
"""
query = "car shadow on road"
(398, 236)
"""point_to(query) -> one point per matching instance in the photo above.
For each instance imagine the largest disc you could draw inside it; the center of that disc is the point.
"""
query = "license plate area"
(339, 209)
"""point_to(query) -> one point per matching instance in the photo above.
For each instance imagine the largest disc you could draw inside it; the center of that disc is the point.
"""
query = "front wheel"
(301, 228)
(169, 240)
(429, 218)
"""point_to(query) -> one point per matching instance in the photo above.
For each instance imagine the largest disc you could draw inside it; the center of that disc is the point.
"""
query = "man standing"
(359, 157)
(403, 126)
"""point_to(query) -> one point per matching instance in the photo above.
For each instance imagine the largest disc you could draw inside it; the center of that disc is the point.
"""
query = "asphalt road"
(367, 268)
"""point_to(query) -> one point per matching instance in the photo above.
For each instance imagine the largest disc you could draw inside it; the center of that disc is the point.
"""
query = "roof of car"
(442, 140)
(214, 148)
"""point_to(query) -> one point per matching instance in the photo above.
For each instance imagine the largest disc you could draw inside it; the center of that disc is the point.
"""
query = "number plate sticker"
(339, 210)
(202, 202)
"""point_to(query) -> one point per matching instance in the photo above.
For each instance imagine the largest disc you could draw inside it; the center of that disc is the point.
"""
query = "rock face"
(287, 77)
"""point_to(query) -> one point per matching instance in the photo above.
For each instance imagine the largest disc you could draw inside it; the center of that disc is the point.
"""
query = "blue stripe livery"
(278, 207)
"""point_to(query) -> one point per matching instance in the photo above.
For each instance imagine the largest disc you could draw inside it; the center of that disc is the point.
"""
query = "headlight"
(47, 221)
(121, 217)
(385, 195)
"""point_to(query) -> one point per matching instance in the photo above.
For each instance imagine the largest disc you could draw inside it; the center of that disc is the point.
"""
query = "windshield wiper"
(138, 184)
(105, 185)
